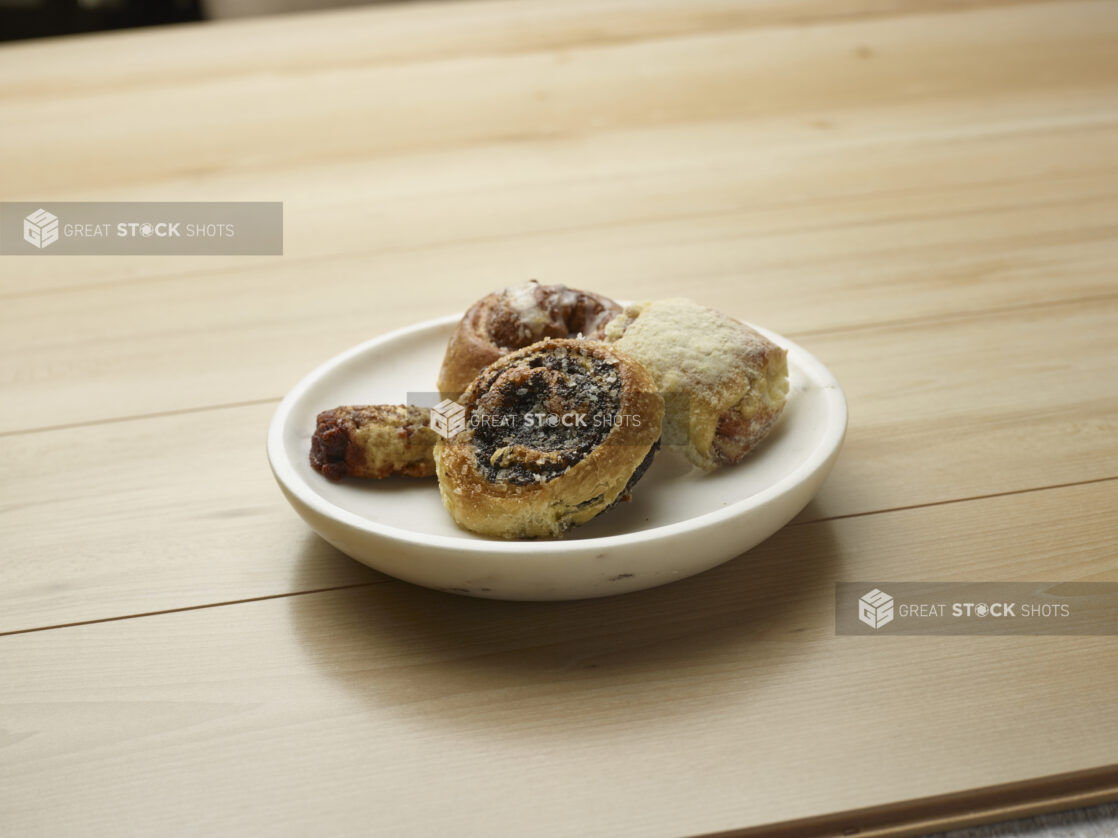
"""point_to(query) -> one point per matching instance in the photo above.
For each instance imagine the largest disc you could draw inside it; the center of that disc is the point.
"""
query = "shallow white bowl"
(680, 521)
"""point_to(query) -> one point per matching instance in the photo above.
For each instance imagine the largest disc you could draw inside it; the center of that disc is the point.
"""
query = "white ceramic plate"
(680, 521)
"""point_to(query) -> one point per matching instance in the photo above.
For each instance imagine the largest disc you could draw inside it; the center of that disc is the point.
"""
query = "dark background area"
(20, 19)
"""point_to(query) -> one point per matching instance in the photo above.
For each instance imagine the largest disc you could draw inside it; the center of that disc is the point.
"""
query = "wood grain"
(233, 336)
(879, 92)
(367, 106)
(179, 511)
(924, 195)
(414, 712)
(867, 181)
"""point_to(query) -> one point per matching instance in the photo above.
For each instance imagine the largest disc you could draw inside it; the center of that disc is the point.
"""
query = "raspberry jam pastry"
(374, 441)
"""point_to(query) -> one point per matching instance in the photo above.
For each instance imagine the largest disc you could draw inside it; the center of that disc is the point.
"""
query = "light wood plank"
(884, 83)
(178, 511)
(974, 406)
(133, 517)
(402, 711)
(793, 192)
(880, 195)
(229, 337)
(774, 178)
(341, 39)
(448, 101)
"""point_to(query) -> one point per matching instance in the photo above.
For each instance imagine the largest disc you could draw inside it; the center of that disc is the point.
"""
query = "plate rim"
(291, 481)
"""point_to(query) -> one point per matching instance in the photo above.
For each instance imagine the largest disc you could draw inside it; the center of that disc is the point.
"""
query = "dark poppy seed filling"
(533, 421)
(639, 473)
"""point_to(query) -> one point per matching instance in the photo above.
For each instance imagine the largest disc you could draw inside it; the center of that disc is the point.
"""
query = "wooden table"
(925, 195)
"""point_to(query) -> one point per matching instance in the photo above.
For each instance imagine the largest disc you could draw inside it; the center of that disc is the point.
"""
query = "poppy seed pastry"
(724, 385)
(513, 318)
(555, 433)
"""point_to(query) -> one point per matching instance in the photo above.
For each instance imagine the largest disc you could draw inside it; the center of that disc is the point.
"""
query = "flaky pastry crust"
(724, 384)
(513, 318)
(374, 441)
(530, 481)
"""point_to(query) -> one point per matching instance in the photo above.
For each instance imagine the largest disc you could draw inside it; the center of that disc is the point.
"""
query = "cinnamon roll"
(374, 441)
(514, 318)
(554, 434)
(724, 385)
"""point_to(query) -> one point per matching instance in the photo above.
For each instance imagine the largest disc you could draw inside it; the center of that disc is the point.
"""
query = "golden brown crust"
(724, 384)
(518, 486)
(513, 318)
(374, 441)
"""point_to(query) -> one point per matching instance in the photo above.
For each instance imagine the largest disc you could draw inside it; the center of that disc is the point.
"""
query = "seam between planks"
(961, 316)
(725, 212)
(388, 580)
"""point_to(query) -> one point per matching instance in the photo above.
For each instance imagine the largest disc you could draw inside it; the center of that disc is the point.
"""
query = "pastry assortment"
(560, 400)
